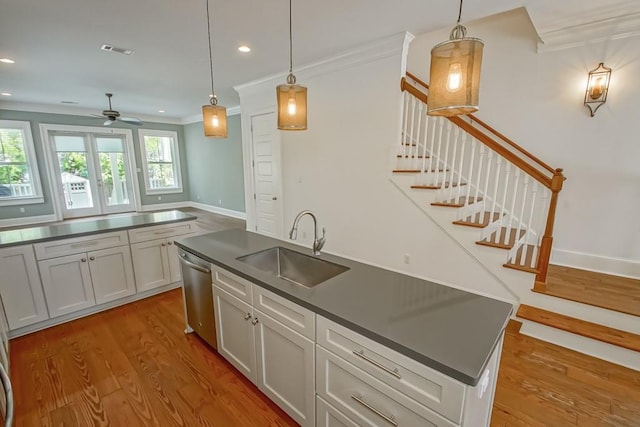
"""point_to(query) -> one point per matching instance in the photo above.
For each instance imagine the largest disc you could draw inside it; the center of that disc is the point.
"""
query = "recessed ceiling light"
(161, 111)
(122, 50)
(244, 49)
(5, 94)
(7, 60)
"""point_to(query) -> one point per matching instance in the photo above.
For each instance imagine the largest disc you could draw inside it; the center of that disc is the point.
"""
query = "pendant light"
(214, 116)
(292, 98)
(455, 74)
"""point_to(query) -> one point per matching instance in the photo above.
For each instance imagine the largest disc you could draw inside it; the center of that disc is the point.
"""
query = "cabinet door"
(150, 264)
(328, 416)
(235, 332)
(286, 368)
(67, 284)
(111, 273)
(21, 288)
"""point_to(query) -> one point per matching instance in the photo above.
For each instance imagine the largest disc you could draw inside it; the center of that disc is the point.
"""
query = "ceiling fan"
(112, 115)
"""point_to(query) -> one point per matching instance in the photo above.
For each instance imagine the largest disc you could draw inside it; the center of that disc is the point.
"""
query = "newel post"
(544, 255)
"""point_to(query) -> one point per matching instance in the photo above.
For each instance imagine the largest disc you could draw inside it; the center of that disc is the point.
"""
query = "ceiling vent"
(109, 48)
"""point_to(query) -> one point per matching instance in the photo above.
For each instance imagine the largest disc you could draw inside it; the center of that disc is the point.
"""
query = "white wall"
(536, 99)
(340, 169)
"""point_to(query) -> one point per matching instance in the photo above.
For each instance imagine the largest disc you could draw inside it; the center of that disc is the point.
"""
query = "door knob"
(274, 198)
(92, 258)
(254, 321)
(83, 259)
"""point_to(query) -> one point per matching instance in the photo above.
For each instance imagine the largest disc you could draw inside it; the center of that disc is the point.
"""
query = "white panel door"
(111, 273)
(67, 284)
(286, 368)
(21, 288)
(234, 332)
(150, 264)
(267, 183)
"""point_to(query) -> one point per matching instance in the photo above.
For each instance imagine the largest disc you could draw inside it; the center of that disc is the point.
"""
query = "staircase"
(498, 202)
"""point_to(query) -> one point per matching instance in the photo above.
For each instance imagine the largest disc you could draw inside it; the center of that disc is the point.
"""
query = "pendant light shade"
(292, 105)
(292, 98)
(455, 74)
(214, 119)
(214, 116)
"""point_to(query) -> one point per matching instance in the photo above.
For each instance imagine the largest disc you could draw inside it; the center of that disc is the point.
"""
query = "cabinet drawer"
(427, 386)
(328, 416)
(284, 311)
(77, 245)
(367, 400)
(235, 285)
(159, 231)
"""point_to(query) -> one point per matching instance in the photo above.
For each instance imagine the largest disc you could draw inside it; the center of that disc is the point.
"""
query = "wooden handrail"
(492, 130)
(486, 140)
(544, 256)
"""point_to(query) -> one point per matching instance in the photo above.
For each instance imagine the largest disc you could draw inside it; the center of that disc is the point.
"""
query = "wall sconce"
(597, 88)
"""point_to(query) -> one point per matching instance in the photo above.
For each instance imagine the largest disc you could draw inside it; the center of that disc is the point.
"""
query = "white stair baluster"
(428, 124)
(463, 153)
(456, 137)
(507, 227)
(414, 151)
(405, 120)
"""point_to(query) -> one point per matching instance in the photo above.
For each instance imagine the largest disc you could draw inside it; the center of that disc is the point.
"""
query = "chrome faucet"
(317, 243)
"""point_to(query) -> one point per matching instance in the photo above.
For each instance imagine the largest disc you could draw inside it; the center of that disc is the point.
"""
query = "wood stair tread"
(500, 240)
(479, 219)
(437, 186)
(584, 328)
(457, 202)
(524, 260)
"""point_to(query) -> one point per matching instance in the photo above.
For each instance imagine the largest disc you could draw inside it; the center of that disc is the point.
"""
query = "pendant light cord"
(213, 99)
(290, 41)
(459, 12)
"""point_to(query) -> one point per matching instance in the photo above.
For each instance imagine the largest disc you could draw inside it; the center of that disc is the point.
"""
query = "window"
(19, 178)
(161, 161)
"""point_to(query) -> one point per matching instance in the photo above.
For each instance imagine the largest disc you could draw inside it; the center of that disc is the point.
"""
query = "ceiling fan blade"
(97, 115)
(131, 120)
(108, 123)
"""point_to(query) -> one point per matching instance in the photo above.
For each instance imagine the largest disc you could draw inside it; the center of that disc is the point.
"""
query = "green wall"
(46, 208)
(215, 167)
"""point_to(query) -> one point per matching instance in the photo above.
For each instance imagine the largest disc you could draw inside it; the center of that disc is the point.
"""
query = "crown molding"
(596, 26)
(378, 49)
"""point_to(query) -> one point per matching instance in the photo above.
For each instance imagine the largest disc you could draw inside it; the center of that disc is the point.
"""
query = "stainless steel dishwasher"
(198, 296)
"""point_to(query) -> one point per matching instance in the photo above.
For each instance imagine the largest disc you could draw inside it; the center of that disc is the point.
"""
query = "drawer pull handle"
(157, 233)
(393, 372)
(247, 316)
(255, 321)
(390, 419)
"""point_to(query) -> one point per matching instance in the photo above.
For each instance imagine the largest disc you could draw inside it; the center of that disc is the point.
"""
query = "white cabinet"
(20, 287)
(269, 349)
(67, 284)
(155, 257)
(328, 416)
(73, 279)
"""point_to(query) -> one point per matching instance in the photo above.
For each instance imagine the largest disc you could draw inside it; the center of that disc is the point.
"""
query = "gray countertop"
(447, 329)
(91, 226)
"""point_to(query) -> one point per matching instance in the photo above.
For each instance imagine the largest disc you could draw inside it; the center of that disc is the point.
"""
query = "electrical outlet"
(159, 197)
(21, 210)
(407, 259)
(219, 202)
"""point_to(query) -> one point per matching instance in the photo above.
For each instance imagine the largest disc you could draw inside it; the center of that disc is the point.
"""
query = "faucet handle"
(321, 241)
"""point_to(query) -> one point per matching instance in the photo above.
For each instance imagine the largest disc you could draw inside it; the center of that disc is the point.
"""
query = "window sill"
(164, 191)
(13, 201)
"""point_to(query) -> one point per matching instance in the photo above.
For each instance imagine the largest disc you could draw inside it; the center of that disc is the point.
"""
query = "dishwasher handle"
(192, 265)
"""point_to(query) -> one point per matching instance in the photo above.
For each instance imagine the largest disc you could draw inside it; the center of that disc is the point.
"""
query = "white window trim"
(32, 164)
(176, 161)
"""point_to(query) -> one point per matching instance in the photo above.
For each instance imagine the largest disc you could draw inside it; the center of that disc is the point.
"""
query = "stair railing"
(496, 183)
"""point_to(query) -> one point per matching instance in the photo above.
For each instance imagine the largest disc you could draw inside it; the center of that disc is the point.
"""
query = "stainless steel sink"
(293, 266)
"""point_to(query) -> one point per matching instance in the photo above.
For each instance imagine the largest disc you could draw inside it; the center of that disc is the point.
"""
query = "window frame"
(31, 164)
(175, 152)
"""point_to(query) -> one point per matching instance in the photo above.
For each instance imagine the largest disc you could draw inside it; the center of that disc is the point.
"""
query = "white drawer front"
(286, 312)
(365, 399)
(427, 386)
(159, 231)
(235, 285)
(328, 416)
(77, 245)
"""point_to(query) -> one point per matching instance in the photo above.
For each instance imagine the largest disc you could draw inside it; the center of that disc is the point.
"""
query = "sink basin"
(293, 266)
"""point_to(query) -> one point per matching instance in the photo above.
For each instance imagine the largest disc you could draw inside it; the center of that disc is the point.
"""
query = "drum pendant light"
(214, 116)
(455, 74)
(292, 98)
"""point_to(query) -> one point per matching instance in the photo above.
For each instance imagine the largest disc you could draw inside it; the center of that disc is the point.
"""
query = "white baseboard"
(219, 210)
(12, 222)
(597, 263)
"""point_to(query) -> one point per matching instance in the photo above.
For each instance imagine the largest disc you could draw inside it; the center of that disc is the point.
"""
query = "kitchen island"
(449, 332)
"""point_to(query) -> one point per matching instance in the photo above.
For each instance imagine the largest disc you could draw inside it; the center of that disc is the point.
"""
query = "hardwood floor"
(131, 366)
(602, 290)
